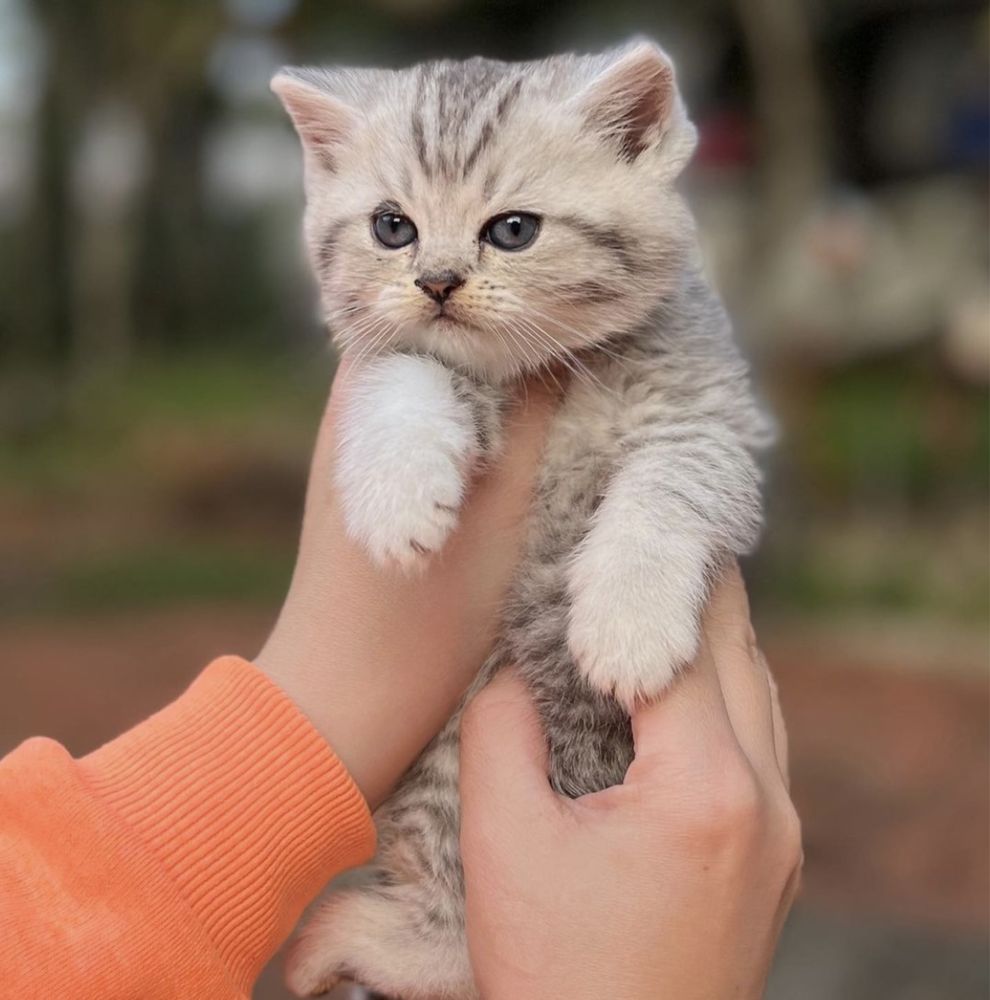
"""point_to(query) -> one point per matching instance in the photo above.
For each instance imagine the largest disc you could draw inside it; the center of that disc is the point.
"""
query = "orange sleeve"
(172, 862)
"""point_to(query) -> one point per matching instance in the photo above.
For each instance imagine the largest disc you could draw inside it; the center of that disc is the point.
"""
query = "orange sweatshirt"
(172, 862)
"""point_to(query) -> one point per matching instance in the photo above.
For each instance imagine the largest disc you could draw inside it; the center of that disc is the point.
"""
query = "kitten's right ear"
(634, 102)
(324, 122)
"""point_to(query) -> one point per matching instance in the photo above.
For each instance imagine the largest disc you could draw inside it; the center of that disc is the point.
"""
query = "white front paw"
(394, 524)
(635, 609)
(403, 459)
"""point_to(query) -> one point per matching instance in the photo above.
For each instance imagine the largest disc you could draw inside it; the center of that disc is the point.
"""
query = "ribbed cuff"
(243, 802)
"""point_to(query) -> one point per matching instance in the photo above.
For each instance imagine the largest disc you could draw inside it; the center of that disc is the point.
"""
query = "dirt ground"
(889, 770)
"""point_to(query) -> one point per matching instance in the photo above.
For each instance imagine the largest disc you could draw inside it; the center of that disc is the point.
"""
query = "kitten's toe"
(403, 523)
(411, 536)
(634, 623)
(629, 669)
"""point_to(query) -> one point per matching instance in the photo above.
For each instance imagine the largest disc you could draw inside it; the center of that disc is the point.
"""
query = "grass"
(101, 496)
(810, 575)
(156, 575)
(94, 431)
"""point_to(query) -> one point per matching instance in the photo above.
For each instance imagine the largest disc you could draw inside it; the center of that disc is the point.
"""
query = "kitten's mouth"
(444, 318)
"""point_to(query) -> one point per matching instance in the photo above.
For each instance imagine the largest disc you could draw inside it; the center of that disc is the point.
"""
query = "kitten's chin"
(445, 323)
(459, 343)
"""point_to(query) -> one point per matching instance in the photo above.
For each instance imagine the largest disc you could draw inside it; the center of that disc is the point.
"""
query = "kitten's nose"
(439, 286)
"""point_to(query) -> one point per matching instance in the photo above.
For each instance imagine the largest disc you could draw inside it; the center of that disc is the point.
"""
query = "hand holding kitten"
(687, 869)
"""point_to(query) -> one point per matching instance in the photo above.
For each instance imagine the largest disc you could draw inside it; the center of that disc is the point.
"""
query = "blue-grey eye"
(512, 230)
(393, 230)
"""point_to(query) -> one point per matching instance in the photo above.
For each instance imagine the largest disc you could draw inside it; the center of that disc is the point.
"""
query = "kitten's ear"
(634, 103)
(323, 121)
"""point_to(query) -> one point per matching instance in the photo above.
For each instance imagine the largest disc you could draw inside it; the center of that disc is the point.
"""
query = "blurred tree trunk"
(155, 56)
(41, 269)
(790, 111)
(113, 71)
(105, 238)
(77, 263)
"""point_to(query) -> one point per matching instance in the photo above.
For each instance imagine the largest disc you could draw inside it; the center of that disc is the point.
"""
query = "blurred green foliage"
(182, 482)
(164, 574)
(100, 431)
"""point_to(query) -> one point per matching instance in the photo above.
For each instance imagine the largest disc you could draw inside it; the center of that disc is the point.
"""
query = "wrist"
(375, 705)
(321, 686)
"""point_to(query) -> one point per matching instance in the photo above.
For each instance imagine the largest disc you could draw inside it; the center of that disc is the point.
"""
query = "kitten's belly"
(580, 456)
(581, 453)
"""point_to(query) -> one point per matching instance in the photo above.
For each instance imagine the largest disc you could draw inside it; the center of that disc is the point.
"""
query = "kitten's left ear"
(634, 103)
(324, 121)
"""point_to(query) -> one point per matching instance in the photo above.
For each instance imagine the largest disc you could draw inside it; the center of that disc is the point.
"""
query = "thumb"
(503, 749)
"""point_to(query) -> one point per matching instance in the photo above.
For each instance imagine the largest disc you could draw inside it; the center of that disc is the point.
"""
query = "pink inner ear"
(323, 123)
(648, 110)
(634, 101)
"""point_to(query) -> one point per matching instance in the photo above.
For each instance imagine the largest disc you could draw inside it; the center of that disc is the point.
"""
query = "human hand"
(675, 883)
(379, 660)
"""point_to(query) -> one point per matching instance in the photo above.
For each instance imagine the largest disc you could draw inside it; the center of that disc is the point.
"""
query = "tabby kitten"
(469, 223)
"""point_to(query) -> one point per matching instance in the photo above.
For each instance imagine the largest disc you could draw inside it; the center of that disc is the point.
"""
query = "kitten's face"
(498, 215)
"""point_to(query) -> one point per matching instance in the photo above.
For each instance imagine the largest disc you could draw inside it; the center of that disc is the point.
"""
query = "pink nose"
(439, 286)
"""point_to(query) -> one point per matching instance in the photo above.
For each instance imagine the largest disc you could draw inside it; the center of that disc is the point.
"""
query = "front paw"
(401, 508)
(402, 523)
(635, 610)
(403, 460)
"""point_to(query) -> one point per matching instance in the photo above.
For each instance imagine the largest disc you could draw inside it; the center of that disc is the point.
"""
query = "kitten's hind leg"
(377, 937)
(399, 931)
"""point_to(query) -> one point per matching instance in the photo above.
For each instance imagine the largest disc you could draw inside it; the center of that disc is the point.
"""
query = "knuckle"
(741, 805)
(730, 808)
(788, 825)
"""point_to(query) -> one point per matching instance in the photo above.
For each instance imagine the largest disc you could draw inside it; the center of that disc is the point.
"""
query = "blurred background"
(163, 367)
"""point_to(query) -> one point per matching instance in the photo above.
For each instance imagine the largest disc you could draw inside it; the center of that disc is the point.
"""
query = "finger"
(744, 681)
(780, 740)
(503, 750)
(689, 720)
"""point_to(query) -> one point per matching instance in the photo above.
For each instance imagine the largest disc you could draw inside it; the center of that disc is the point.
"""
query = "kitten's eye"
(511, 231)
(393, 230)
